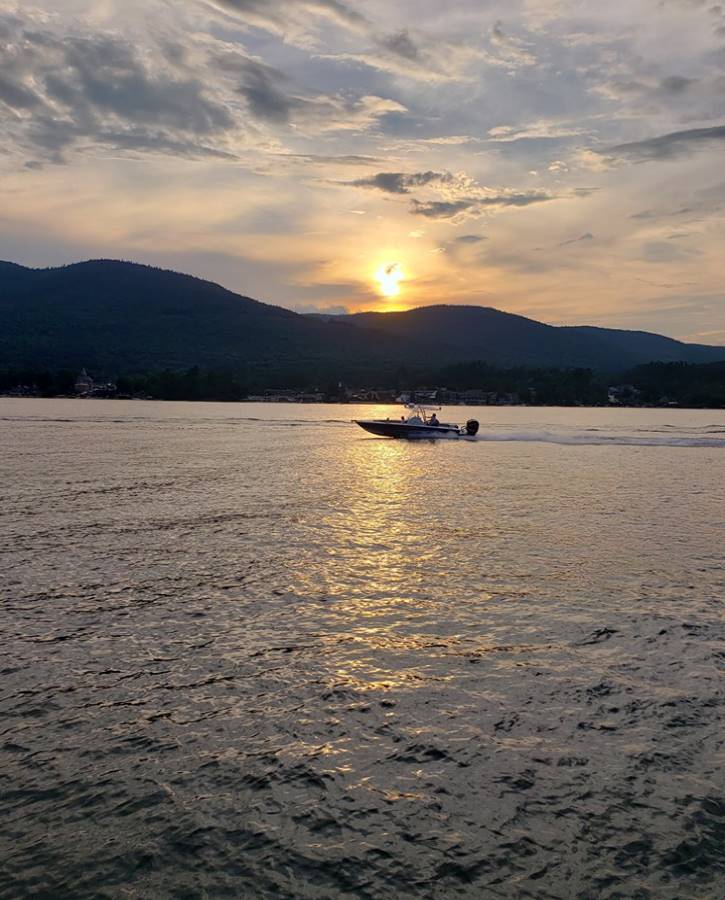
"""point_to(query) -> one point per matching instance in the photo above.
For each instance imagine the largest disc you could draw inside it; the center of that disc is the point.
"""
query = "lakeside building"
(287, 396)
(478, 397)
(85, 386)
(624, 395)
(84, 383)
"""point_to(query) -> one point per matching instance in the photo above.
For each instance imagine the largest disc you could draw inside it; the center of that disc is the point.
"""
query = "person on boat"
(433, 420)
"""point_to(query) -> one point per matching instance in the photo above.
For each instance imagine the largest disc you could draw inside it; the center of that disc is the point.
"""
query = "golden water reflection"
(398, 554)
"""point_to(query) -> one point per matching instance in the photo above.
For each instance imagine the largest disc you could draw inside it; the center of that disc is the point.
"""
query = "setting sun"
(389, 277)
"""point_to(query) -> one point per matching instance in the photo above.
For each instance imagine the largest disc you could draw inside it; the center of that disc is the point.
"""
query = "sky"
(556, 159)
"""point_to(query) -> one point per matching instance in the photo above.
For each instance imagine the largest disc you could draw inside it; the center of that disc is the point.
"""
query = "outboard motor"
(471, 427)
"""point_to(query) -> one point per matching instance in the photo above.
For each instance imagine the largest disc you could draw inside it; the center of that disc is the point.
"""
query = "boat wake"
(607, 438)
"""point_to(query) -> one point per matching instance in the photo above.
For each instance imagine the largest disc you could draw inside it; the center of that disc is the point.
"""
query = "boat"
(421, 422)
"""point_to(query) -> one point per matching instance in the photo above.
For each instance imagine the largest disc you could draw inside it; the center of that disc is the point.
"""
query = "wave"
(599, 438)
(664, 435)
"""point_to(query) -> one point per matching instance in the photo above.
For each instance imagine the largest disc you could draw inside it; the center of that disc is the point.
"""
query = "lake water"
(250, 651)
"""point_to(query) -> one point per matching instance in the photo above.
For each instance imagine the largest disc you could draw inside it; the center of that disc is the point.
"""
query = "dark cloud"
(110, 77)
(588, 236)
(400, 182)
(99, 89)
(676, 84)
(142, 139)
(470, 239)
(401, 44)
(659, 214)
(16, 95)
(668, 146)
(261, 87)
(514, 199)
(274, 99)
(475, 205)
(441, 209)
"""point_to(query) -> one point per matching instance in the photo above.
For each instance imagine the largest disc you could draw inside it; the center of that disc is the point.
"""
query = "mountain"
(118, 317)
(114, 317)
(477, 332)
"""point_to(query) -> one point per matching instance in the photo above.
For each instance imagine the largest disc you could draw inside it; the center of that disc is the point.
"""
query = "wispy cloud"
(668, 146)
(587, 236)
(469, 207)
(540, 130)
(66, 89)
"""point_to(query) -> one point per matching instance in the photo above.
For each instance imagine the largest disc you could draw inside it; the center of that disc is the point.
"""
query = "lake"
(251, 651)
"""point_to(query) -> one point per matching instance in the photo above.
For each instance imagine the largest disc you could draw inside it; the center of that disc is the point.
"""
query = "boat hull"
(386, 428)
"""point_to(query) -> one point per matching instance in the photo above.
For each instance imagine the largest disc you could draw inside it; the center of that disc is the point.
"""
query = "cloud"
(338, 112)
(450, 140)
(676, 84)
(663, 252)
(401, 44)
(475, 205)
(400, 182)
(17, 95)
(262, 88)
(470, 239)
(273, 99)
(541, 130)
(509, 51)
(668, 146)
(458, 195)
(664, 90)
(458, 246)
(441, 209)
(660, 214)
(65, 89)
(512, 198)
(398, 52)
(279, 15)
(307, 309)
(319, 159)
(65, 92)
(588, 236)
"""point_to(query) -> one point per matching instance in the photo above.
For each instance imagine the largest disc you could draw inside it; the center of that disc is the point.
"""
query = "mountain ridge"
(631, 347)
(121, 317)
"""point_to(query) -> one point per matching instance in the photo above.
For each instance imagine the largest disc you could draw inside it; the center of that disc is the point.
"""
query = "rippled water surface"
(250, 651)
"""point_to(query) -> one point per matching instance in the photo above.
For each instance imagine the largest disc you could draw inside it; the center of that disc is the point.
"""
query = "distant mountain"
(477, 332)
(118, 317)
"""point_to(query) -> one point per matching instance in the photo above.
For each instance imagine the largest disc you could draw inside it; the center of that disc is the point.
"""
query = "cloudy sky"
(558, 159)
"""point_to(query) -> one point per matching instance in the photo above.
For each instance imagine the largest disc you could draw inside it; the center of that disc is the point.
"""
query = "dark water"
(249, 651)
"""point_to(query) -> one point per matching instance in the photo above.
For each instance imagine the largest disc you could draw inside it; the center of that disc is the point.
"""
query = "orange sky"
(558, 160)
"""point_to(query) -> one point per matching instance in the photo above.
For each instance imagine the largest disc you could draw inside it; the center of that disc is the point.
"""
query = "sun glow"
(389, 277)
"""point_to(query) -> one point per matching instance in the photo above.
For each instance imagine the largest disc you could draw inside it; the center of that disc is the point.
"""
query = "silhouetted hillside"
(475, 332)
(119, 317)
(116, 317)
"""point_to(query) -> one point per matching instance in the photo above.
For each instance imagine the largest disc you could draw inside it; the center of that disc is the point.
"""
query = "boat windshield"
(421, 412)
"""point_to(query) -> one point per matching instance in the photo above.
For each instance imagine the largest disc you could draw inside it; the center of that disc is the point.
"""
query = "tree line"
(684, 384)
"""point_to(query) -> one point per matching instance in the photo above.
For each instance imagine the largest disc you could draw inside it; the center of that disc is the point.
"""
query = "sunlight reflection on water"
(252, 651)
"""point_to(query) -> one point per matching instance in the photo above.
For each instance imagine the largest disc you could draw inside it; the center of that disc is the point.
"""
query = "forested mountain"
(118, 317)
(477, 332)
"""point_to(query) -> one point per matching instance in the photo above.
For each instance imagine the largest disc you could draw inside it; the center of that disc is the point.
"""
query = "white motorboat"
(421, 422)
